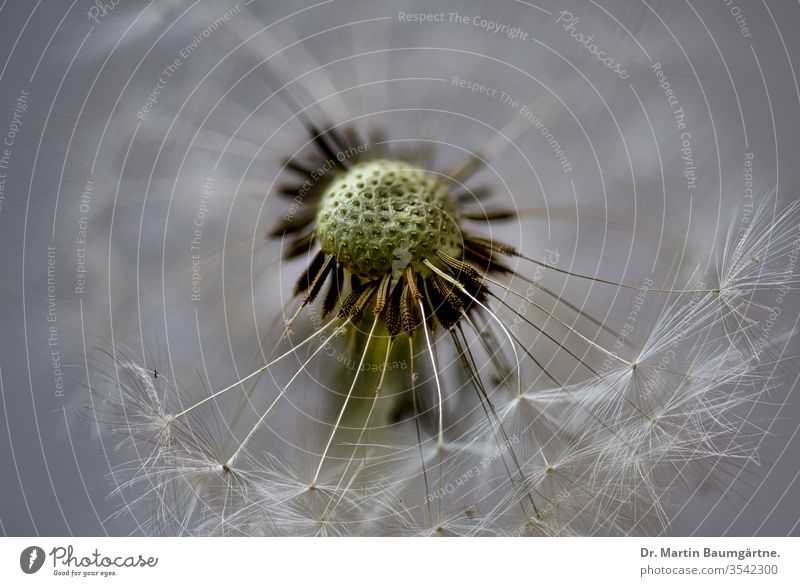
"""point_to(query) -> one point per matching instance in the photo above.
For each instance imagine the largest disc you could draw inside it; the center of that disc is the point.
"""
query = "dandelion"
(430, 378)
(400, 270)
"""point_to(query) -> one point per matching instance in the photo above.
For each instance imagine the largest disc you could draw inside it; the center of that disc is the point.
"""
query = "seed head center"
(381, 216)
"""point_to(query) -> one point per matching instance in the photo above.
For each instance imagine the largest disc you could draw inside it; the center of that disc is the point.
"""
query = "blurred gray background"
(90, 182)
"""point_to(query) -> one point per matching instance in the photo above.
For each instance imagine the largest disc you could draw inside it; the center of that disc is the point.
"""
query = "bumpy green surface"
(381, 216)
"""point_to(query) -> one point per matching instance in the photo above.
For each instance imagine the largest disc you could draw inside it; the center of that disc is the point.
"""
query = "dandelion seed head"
(378, 208)
(506, 412)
